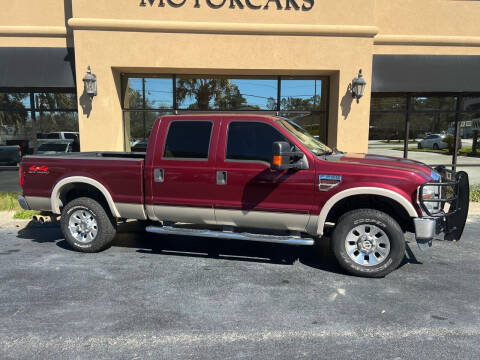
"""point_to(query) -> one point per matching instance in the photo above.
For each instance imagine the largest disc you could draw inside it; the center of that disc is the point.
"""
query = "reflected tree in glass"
(209, 93)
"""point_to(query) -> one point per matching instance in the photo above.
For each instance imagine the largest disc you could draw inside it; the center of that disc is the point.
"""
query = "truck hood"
(387, 162)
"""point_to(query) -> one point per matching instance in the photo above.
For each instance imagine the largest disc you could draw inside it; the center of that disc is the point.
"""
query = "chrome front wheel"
(368, 242)
(367, 245)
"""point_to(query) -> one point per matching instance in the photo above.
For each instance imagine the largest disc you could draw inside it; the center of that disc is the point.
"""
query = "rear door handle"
(221, 177)
(158, 175)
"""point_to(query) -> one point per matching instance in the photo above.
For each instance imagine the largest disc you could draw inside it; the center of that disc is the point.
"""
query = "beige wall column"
(100, 120)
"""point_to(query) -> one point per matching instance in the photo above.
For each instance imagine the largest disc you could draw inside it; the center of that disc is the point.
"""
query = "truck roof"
(193, 116)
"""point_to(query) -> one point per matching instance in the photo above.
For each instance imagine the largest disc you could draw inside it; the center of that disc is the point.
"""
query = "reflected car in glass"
(51, 148)
(434, 141)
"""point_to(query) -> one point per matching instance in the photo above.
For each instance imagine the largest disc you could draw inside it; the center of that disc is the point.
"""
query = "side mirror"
(282, 156)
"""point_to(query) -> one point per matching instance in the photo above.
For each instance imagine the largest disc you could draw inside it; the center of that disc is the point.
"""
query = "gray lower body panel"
(36, 202)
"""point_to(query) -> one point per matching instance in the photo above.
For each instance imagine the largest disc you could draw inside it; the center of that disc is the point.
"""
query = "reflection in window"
(158, 93)
(301, 94)
(138, 125)
(314, 122)
(14, 101)
(389, 103)
(444, 103)
(422, 125)
(50, 113)
(387, 127)
(55, 101)
(56, 121)
(226, 94)
(134, 94)
(14, 126)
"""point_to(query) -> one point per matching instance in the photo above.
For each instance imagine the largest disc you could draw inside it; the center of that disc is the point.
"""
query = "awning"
(37, 67)
(426, 73)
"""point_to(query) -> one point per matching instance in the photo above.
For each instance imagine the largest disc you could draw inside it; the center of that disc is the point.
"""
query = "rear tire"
(86, 225)
(368, 243)
(436, 147)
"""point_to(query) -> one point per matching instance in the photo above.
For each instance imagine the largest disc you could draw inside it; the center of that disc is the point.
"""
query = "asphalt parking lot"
(179, 298)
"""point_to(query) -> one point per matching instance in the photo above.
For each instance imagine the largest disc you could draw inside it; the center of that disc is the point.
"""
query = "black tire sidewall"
(105, 225)
(372, 217)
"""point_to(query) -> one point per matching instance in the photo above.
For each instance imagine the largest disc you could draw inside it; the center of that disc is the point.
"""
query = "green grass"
(475, 193)
(25, 214)
(8, 202)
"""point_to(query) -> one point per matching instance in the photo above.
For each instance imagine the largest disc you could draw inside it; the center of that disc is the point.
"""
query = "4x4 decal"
(38, 169)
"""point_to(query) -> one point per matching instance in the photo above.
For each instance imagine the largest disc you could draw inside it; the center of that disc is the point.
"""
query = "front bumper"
(425, 231)
(450, 222)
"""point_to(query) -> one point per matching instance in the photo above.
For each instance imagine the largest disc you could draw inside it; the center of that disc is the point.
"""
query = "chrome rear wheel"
(83, 226)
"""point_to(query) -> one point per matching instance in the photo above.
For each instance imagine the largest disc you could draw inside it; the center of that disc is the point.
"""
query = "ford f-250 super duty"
(251, 177)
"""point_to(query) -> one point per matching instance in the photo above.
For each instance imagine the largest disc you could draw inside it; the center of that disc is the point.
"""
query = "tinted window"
(188, 139)
(53, 136)
(251, 141)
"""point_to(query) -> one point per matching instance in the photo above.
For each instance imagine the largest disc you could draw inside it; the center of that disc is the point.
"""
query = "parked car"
(140, 146)
(250, 177)
(54, 148)
(58, 135)
(10, 154)
(436, 142)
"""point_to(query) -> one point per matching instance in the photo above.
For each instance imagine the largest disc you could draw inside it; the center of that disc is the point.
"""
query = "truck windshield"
(313, 144)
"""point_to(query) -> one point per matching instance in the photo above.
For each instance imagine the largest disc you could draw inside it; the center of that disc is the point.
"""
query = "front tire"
(86, 225)
(368, 243)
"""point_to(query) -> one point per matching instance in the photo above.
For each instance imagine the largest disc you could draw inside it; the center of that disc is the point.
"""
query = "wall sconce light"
(358, 86)
(90, 81)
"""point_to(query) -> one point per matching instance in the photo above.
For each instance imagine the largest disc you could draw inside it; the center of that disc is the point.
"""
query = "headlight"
(432, 192)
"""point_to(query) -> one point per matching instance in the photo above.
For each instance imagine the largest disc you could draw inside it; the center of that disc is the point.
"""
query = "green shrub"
(475, 193)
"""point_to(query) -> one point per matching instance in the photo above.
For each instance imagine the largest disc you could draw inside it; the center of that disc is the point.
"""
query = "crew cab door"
(183, 170)
(248, 192)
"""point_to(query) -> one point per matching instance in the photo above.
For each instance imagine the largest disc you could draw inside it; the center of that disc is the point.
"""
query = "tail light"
(20, 150)
(21, 175)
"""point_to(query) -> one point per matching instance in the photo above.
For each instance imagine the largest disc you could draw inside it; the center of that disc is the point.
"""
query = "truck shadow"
(130, 235)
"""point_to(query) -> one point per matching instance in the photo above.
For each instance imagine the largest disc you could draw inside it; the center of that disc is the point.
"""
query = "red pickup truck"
(251, 177)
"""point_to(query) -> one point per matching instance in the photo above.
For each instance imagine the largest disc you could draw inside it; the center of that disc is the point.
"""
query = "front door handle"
(221, 177)
(158, 175)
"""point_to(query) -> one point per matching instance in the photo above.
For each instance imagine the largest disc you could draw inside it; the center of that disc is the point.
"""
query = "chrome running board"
(289, 240)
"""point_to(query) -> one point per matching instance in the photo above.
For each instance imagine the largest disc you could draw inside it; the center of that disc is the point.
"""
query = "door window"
(188, 140)
(251, 141)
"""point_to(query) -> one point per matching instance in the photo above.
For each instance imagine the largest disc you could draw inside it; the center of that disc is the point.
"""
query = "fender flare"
(362, 191)
(55, 197)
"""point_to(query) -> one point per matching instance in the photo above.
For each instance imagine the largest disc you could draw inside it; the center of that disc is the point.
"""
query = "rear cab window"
(188, 140)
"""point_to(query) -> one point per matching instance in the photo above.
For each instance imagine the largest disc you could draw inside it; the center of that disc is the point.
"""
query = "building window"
(30, 118)
(301, 99)
(404, 124)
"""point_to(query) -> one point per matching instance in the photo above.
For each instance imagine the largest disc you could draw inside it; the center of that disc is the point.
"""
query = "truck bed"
(120, 173)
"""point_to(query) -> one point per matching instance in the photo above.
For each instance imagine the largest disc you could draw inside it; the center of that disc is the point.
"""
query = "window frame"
(188, 159)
